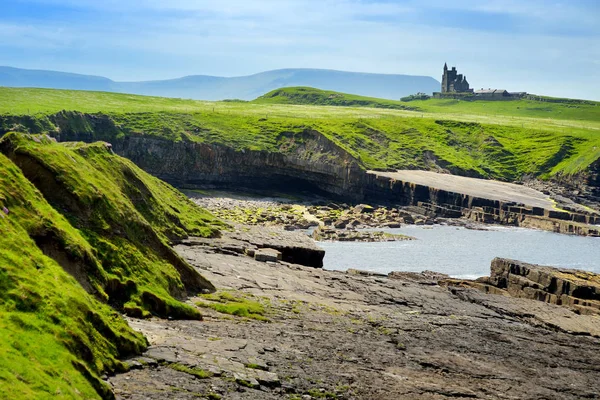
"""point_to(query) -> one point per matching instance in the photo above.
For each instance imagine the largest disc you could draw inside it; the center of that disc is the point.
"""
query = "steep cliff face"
(307, 161)
(594, 178)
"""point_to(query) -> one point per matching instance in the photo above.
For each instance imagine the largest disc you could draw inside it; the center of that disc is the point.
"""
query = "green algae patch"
(197, 372)
(84, 230)
(235, 304)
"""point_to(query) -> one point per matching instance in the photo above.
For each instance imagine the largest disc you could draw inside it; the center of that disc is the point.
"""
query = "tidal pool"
(464, 253)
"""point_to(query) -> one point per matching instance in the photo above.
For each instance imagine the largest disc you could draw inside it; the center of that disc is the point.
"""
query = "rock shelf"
(358, 335)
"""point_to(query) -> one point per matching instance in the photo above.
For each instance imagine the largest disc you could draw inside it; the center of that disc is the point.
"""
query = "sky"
(549, 47)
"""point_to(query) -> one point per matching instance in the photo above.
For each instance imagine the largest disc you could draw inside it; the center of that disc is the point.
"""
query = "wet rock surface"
(362, 336)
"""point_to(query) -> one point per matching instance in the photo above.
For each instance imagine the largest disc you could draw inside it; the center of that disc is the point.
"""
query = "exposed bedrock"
(594, 178)
(292, 247)
(578, 290)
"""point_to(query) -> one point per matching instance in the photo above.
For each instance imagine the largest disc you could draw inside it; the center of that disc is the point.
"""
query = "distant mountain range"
(202, 87)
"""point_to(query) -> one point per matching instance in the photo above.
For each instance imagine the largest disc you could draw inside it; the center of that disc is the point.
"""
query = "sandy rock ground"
(336, 335)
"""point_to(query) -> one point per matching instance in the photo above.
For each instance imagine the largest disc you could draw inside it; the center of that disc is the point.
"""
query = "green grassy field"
(502, 140)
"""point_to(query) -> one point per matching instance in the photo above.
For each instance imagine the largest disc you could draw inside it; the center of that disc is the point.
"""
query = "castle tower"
(445, 79)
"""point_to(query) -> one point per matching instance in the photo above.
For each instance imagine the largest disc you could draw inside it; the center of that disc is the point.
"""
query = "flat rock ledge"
(450, 196)
(363, 335)
(264, 244)
(576, 289)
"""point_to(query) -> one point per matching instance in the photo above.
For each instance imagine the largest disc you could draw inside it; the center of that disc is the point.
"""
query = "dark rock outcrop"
(578, 290)
(294, 247)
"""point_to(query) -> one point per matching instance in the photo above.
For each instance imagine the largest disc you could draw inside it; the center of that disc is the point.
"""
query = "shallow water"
(464, 253)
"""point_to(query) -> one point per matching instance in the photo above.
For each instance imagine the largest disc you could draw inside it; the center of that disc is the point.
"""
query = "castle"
(453, 82)
(455, 86)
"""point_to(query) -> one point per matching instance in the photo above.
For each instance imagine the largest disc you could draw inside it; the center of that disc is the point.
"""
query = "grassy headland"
(502, 140)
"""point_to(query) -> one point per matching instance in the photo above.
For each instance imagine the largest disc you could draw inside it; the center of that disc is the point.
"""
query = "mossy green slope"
(56, 337)
(491, 139)
(86, 229)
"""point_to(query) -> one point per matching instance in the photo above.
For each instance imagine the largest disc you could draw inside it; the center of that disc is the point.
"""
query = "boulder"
(340, 223)
(574, 288)
(363, 208)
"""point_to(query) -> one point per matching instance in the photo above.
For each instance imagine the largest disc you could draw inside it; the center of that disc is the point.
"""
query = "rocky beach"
(309, 333)
(279, 328)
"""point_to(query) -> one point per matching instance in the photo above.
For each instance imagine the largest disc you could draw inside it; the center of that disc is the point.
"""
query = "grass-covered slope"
(318, 97)
(56, 337)
(86, 230)
(492, 139)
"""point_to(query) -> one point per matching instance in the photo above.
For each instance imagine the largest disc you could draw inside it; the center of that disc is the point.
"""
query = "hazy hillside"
(203, 87)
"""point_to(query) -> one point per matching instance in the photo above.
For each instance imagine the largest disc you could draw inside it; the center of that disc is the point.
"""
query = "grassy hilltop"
(87, 233)
(502, 140)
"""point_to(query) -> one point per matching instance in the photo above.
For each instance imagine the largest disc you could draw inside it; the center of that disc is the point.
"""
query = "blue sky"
(548, 47)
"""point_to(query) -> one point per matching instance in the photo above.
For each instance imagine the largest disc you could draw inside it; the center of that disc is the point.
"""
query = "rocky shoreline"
(344, 220)
(279, 330)
(323, 234)
(281, 327)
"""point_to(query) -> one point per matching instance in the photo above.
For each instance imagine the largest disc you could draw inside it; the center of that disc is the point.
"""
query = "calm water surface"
(464, 253)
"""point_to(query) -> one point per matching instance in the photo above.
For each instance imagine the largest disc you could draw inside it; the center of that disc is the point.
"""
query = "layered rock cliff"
(302, 160)
(306, 161)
